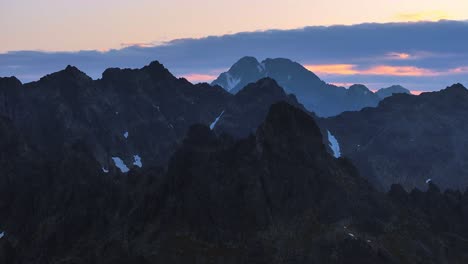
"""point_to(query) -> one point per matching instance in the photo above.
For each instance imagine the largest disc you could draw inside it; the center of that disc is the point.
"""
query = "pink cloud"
(398, 55)
(389, 70)
(459, 70)
(342, 84)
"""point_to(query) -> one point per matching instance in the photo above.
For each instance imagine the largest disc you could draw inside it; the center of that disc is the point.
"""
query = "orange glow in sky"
(427, 15)
(414, 92)
(196, 78)
(351, 69)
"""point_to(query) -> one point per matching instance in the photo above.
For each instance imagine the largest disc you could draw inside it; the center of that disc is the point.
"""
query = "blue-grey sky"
(420, 56)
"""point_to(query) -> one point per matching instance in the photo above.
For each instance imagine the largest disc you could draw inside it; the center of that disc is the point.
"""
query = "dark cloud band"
(431, 46)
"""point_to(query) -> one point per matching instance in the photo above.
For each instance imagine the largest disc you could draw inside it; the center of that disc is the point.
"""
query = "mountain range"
(316, 95)
(409, 139)
(143, 167)
(133, 118)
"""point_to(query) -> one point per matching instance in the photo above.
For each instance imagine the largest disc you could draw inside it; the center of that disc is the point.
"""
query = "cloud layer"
(421, 56)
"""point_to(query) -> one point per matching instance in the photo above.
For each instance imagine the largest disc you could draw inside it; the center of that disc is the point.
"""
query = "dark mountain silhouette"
(249, 107)
(316, 95)
(409, 139)
(129, 118)
(128, 114)
(276, 196)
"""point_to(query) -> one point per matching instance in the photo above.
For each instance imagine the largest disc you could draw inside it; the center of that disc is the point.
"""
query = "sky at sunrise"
(417, 43)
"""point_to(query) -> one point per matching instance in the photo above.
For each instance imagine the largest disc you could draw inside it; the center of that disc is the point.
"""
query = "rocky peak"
(288, 70)
(262, 87)
(158, 70)
(9, 82)
(358, 88)
(245, 63)
(291, 132)
(111, 73)
(244, 71)
(69, 74)
(457, 88)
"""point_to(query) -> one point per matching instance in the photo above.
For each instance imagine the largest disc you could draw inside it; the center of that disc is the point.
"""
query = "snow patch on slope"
(231, 82)
(212, 126)
(261, 67)
(333, 143)
(120, 164)
(137, 161)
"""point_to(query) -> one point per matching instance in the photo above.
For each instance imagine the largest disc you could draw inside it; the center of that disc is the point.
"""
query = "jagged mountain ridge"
(409, 139)
(317, 96)
(142, 115)
(131, 117)
(221, 200)
(141, 112)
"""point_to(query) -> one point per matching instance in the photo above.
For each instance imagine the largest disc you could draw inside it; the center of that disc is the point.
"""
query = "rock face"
(249, 107)
(276, 196)
(409, 139)
(144, 112)
(316, 95)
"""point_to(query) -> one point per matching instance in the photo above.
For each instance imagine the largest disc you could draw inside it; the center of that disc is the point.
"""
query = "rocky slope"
(316, 95)
(409, 139)
(273, 197)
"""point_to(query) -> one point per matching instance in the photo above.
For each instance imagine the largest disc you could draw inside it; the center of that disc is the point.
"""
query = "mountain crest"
(262, 86)
(358, 88)
(457, 88)
(290, 132)
(157, 70)
(74, 72)
(9, 82)
(70, 73)
(246, 61)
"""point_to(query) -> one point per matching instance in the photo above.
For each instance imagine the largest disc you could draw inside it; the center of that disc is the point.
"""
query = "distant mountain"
(276, 196)
(409, 139)
(389, 91)
(316, 95)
